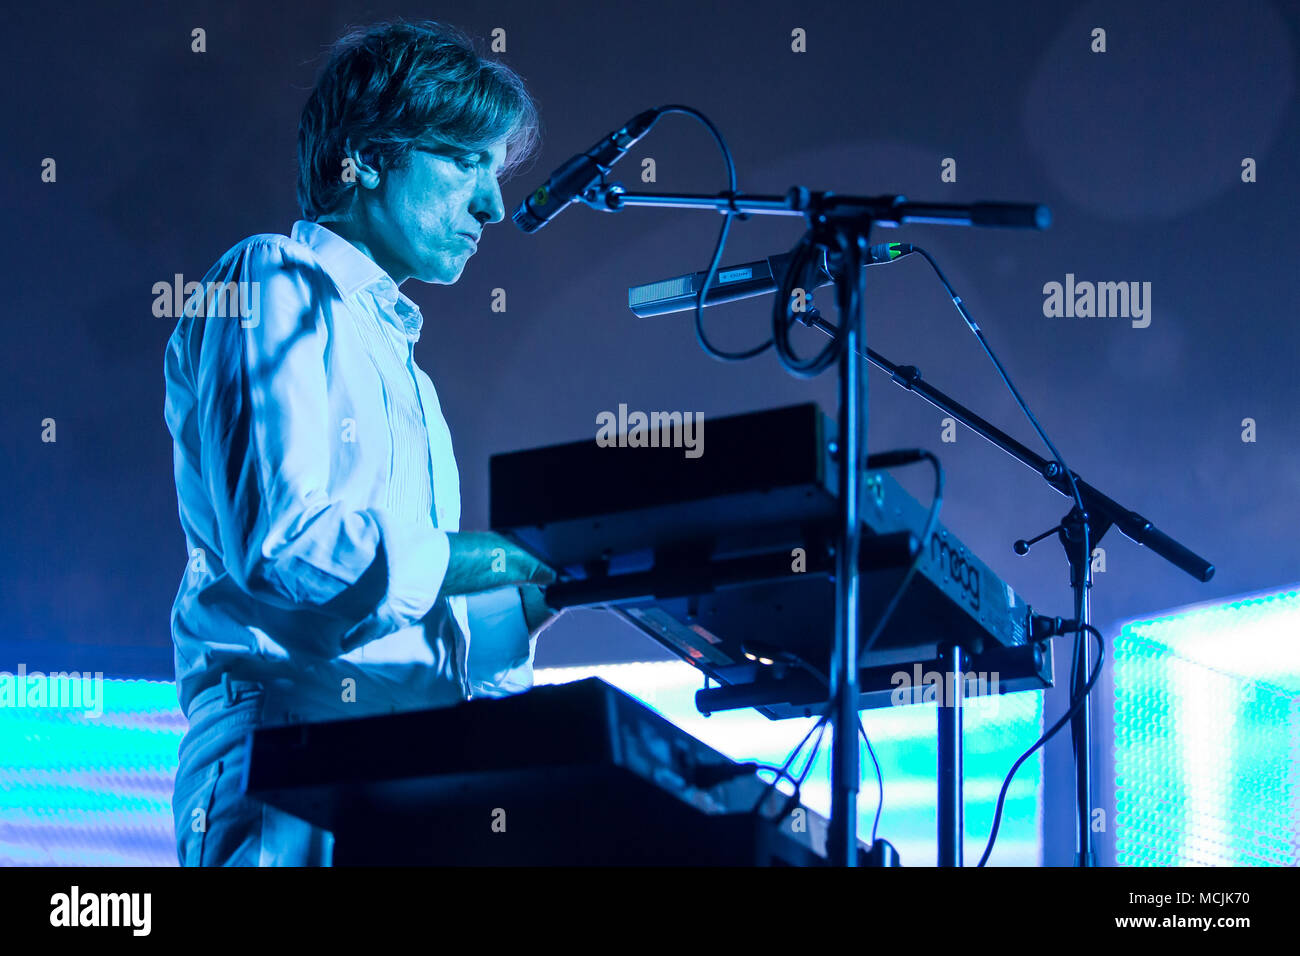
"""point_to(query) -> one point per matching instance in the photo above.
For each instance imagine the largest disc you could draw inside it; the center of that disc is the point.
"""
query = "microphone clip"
(603, 196)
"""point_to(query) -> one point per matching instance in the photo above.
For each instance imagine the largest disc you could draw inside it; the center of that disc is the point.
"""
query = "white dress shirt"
(316, 483)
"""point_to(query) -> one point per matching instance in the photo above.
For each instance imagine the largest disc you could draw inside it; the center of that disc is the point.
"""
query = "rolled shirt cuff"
(500, 649)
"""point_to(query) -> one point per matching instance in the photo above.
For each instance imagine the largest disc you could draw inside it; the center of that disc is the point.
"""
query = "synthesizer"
(726, 559)
(564, 774)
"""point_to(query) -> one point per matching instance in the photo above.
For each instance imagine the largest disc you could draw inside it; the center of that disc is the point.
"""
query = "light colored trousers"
(216, 824)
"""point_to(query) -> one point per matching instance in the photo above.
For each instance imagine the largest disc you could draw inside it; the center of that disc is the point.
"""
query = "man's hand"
(537, 613)
(485, 561)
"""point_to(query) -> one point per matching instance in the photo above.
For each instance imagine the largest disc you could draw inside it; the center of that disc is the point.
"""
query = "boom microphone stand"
(1101, 514)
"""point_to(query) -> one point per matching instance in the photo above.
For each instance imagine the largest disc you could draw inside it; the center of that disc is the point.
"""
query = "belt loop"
(230, 691)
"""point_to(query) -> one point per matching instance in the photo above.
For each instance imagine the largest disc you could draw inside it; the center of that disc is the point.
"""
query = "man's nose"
(488, 205)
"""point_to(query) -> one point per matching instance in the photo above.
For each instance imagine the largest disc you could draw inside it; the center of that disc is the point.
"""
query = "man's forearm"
(484, 561)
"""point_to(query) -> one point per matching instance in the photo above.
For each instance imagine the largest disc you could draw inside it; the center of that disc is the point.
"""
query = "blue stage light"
(1207, 702)
(81, 790)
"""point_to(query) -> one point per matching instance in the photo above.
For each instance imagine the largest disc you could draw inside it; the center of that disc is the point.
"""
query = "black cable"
(1006, 379)
(773, 768)
(721, 355)
(798, 783)
(823, 718)
(806, 252)
(931, 522)
(789, 760)
(1065, 718)
(880, 780)
(812, 754)
(803, 257)
(794, 798)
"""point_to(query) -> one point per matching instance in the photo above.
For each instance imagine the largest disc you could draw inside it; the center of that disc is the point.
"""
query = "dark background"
(167, 157)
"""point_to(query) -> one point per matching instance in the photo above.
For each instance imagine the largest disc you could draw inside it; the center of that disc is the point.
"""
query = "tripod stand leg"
(950, 756)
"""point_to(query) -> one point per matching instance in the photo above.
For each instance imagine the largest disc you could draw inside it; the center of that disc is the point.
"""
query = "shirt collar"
(352, 271)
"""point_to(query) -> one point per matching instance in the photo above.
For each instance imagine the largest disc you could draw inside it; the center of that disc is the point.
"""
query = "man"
(318, 491)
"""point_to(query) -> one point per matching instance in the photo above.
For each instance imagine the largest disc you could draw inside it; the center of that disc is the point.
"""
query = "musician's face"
(425, 219)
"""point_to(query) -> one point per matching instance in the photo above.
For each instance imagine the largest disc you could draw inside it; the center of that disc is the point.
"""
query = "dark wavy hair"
(391, 86)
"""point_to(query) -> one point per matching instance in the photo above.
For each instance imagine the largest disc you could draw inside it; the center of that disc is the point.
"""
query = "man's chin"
(441, 275)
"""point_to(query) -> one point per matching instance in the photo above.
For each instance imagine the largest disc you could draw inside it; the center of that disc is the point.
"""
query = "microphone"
(569, 181)
(739, 282)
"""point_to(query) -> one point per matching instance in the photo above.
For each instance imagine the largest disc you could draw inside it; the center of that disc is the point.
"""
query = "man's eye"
(465, 162)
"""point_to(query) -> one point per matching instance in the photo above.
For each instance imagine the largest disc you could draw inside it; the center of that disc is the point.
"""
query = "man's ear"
(357, 169)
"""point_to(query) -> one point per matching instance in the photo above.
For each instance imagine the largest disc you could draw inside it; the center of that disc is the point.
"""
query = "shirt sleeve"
(500, 649)
(286, 536)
